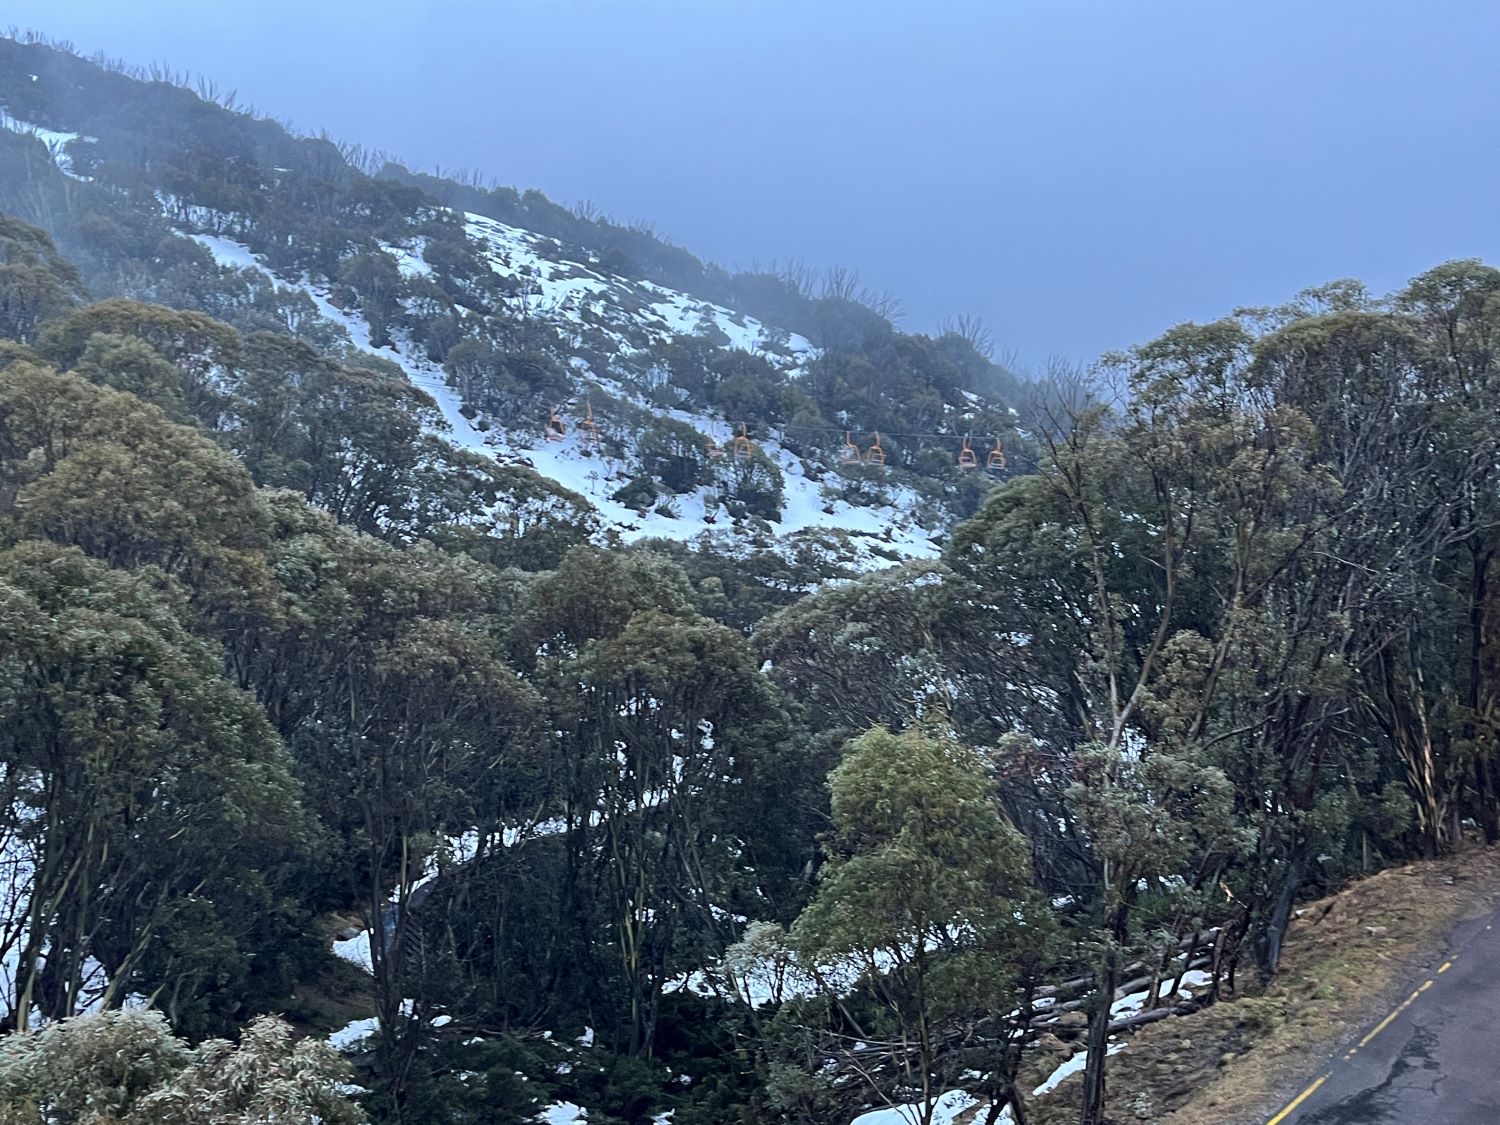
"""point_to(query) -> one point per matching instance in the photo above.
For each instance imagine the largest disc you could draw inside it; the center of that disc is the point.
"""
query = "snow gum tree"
(138, 785)
(1136, 553)
(127, 1068)
(925, 906)
(682, 791)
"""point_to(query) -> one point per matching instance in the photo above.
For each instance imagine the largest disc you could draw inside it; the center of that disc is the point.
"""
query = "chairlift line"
(742, 448)
(851, 454)
(928, 436)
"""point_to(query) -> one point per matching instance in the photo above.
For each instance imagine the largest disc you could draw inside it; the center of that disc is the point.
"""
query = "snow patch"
(57, 142)
(627, 316)
(1073, 1066)
(353, 1033)
(944, 1111)
(356, 951)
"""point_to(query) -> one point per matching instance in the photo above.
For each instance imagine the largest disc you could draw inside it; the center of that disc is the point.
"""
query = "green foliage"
(128, 363)
(376, 282)
(751, 486)
(271, 648)
(36, 283)
(674, 454)
(126, 1068)
(493, 1081)
(925, 904)
(350, 439)
(518, 375)
(144, 783)
(872, 650)
(919, 860)
(193, 343)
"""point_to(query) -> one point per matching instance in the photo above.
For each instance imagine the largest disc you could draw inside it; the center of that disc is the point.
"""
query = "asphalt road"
(1434, 1060)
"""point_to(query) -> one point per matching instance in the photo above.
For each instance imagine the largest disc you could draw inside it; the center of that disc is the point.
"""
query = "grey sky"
(1079, 174)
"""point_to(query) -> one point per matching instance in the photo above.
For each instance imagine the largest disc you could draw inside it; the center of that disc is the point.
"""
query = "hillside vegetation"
(511, 306)
(315, 694)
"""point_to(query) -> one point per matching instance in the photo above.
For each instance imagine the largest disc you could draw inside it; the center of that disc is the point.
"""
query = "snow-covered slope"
(615, 327)
(623, 315)
(588, 303)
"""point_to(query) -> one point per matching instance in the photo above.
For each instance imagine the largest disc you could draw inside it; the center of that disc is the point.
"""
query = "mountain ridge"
(503, 324)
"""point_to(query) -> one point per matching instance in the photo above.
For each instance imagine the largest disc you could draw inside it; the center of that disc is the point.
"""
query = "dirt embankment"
(1346, 957)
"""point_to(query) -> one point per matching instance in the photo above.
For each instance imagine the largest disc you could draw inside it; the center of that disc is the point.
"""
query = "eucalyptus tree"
(925, 934)
(681, 785)
(36, 283)
(202, 349)
(1132, 560)
(139, 784)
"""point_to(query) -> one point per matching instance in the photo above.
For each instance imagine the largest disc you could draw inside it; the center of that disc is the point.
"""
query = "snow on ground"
(356, 951)
(629, 314)
(1073, 1066)
(354, 1033)
(596, 476)
(947, 1107)
(422, 373)
(452, 850)
(1136, 1001)
(227, 252)
(1124, 1006)
(409, 260)
(56, 142)
(765, 983)
(564, 1113)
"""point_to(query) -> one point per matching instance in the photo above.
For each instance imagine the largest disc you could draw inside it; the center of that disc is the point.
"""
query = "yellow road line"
(1376, 1030)
(1298, 1100)
(1385, 1023)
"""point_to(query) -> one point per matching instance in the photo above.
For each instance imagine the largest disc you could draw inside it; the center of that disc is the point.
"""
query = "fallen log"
(1203, 937)
(1125, 1022)
(1049, 1014)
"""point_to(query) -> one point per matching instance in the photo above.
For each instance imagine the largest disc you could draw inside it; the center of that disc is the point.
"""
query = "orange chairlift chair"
(588, 426)
(555, 427)
(850, 453)
(715, 450)
(966, 456)
(744, 449)
(875, 455)
(996, 459)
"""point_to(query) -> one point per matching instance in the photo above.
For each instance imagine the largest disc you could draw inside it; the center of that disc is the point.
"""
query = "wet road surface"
(1433, 1060)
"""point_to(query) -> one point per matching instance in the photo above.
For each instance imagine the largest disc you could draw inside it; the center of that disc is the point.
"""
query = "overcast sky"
(1080, 175)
